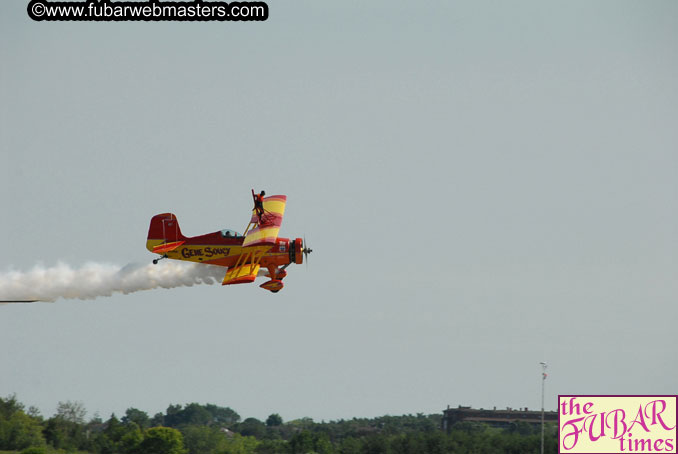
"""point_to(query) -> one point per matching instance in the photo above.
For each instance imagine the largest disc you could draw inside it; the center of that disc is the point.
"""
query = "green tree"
(195, 414)
(117, 437)
(271, 447)
(64, 434)
(223, 416)
(158, 420)
(435, 442)
(376, 444)
(301, 443)
(237, 444)
(9, 406)
(252, 427)
(305, 442)
(322, 444)
(204, 439)
(192, 414)
(73, 412)
(172, 416)
(350, 445)
(162, 440)
(274, 420)
(114, 428)
(132, 439)
(20, 431)
(35, 450)
(302, 423)
(137, 416)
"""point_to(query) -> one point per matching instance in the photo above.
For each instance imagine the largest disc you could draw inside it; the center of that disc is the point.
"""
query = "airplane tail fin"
(164, 229)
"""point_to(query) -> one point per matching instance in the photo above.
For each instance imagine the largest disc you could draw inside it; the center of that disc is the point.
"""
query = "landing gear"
(155, 261)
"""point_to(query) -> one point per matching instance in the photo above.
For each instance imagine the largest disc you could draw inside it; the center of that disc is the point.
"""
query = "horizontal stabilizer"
(167, 247)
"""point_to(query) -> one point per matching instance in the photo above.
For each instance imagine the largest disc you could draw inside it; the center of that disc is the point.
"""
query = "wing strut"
(247, 266)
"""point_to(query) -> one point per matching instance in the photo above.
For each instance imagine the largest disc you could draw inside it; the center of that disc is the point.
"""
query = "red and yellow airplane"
(243, 255)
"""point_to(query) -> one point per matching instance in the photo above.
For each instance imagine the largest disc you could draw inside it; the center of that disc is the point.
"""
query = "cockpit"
(228, 233)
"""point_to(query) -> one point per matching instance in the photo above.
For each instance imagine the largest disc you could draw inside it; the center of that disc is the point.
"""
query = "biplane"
(244, 255)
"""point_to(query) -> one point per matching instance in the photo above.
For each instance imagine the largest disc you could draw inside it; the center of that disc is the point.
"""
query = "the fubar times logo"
(617, 424)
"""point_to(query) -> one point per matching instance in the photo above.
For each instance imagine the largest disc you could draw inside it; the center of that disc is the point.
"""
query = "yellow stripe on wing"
(275, 204)
(241, 275)
(261, 235)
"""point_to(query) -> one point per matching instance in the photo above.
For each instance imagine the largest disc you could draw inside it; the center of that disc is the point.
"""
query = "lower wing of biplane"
(247, 266)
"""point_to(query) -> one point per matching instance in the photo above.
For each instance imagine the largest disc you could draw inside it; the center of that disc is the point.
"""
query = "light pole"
(543, 379)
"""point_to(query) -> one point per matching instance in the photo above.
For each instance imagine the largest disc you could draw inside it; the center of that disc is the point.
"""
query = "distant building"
(494, 417)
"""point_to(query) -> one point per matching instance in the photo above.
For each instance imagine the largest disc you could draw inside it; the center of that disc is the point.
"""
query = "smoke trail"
(93, 280)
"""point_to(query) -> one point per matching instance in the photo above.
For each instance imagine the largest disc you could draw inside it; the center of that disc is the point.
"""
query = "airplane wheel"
(155, 261)
(275, 291)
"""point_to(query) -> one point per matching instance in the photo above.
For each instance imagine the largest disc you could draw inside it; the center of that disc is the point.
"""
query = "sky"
(486, 185)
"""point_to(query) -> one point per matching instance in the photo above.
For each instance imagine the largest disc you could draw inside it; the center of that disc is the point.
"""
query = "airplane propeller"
(306, 250)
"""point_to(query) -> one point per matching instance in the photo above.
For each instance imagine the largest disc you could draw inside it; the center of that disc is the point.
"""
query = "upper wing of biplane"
(265, 231)
(260, 236)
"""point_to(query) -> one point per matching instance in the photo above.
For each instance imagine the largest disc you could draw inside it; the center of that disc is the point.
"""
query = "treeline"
(210, 429)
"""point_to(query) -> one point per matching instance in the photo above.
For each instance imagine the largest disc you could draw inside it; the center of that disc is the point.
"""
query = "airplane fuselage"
(217, 249)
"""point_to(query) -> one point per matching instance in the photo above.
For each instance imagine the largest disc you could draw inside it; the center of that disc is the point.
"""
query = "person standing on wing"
(259, 204)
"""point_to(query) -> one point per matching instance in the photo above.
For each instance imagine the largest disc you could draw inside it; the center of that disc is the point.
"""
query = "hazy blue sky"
(486, 185)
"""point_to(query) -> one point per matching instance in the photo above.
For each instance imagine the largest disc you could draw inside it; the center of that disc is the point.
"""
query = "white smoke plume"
(94, 280)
